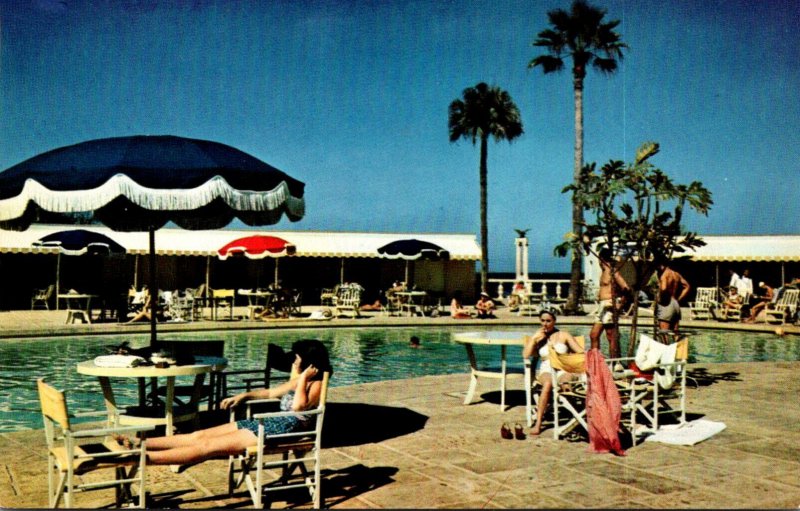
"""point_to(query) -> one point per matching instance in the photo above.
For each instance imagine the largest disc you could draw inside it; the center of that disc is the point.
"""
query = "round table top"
(203, 364)
(499, 338)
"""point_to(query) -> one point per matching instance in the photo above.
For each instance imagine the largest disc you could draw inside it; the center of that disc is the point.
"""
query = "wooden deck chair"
(648, 388)
(295, 450)
(41, 297)
(223, 300)
(295, 304)
(193, 395)
(245, 380)
(704, 302)
(348, 299)
(568, 400)
(70, 455)
(784, 309)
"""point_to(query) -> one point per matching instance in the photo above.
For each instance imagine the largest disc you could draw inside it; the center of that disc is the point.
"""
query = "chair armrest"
(89, 433)
(97, 413)
(309, 413)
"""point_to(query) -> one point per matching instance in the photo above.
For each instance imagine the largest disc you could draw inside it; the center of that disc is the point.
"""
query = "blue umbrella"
(77, 242)
(412, 249)
(139, 183)
(80, 241)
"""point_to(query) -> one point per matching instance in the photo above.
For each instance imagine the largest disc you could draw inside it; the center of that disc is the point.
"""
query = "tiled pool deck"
(413, 444)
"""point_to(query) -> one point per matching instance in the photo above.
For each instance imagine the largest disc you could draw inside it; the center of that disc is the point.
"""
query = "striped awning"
(749, 248)
(180, 242)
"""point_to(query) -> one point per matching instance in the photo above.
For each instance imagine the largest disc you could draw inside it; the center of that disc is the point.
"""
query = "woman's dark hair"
(548, 311)
(313, 352)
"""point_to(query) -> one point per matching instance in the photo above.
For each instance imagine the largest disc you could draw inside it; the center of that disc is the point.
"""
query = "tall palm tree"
(484, 111)
(581, 34)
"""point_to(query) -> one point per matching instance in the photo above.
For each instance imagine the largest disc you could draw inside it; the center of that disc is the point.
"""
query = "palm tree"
(485, 110)
(581, 34)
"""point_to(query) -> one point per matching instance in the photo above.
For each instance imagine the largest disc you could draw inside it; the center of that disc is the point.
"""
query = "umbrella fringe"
(150, 198)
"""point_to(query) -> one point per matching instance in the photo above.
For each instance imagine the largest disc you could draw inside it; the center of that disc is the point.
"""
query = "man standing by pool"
(608, 296)
(672, 288)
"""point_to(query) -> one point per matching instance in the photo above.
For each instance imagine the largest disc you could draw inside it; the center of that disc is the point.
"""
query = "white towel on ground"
(689, 433)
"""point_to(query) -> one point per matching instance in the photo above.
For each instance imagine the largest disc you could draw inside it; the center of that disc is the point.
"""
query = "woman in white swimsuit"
(538, 346)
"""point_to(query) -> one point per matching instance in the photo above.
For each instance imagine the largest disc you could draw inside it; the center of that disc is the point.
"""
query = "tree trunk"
(484, 213)
(574, 298)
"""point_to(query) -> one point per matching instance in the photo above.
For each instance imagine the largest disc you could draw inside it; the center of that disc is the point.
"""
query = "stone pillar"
(522, 259)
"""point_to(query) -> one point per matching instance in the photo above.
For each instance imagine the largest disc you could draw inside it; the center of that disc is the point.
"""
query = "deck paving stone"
(630, 477)
(528, 500)
(595, 491)
(754, 491)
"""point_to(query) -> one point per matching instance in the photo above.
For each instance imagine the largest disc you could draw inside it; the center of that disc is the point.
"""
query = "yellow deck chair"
(295, 450)
(70, 456)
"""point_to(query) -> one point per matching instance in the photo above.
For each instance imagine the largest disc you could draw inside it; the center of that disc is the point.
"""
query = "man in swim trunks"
(672, 288)
(607, 295)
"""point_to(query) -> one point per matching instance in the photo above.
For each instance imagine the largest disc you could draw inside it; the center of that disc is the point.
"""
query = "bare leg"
(196, 437)
(544, 397)
(612, 334)
(220, 445)
(594, 335)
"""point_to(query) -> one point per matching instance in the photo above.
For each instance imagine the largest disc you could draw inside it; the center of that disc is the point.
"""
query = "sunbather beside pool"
(301, 392)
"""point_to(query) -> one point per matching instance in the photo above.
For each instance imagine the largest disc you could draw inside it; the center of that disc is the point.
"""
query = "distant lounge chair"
(784, 309)
(41, 297)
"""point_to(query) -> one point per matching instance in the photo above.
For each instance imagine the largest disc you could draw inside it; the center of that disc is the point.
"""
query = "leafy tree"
(582, 35)
(635, 210)
(484, 111)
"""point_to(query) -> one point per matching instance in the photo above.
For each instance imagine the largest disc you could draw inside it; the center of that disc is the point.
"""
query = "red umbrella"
(258, 246)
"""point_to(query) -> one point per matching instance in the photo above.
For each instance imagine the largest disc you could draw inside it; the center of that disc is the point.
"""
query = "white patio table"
(493, 338)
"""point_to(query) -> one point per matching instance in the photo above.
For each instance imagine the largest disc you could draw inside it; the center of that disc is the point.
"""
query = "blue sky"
(351, 97)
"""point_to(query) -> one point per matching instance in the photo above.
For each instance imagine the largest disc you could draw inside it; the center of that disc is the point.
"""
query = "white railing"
(549, 288)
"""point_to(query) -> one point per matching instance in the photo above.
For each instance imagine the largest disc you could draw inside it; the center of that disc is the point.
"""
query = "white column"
(522, 259)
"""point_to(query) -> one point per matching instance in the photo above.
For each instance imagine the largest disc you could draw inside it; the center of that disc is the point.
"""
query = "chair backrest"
(349, 296)
(789, 298)
(223, 293)
(48, 292)
(54, 405)
(706, 295)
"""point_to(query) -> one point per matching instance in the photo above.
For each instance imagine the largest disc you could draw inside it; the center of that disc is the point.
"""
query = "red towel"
(603, 406)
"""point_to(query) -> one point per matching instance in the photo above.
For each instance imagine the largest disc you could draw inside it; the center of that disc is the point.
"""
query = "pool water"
(358, 355)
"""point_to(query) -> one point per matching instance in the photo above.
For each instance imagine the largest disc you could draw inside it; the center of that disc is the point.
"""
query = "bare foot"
(126, 442)
(535, 431)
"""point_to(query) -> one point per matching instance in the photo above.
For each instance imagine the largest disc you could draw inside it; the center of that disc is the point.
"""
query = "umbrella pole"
(58, 277)
(276, 273)
(341, 272)
(406, 281)
(153, 287)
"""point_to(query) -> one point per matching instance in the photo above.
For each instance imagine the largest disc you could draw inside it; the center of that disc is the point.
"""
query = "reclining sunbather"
(300, 393)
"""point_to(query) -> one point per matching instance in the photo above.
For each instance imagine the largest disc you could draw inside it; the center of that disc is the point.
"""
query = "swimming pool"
(359, 355)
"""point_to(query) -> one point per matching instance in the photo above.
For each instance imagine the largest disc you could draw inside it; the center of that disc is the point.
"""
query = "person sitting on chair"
(732, 302)
(516, 296)
(458, 311)
(485, 306)
(300, 393)
(767, 298)
(538, 346)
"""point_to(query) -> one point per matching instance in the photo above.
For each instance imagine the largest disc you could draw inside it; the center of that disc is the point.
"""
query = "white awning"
(748, 248)
(200, 243)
